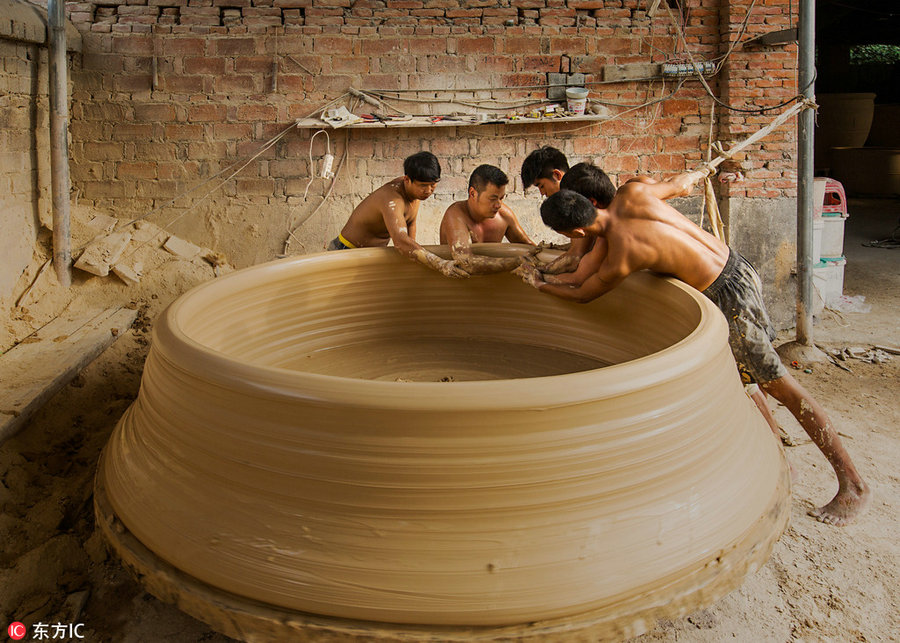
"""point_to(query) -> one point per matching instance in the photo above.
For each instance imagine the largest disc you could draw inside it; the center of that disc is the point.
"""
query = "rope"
(724, 155)
(709, 195)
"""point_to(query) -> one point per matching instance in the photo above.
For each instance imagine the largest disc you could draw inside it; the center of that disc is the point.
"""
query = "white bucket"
(832, 235)
(818, 226)
(576, 99)
(828, 283)
(819, 195)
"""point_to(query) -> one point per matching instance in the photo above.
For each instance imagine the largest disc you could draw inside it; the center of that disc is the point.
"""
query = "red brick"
(204, 65)
(133, 44)
(675, 106)
(246, 84)
(540, 63)
(184, 84)
(104, 62)
(350, 64)
(427, 45)
(127, 170)
(154, 151)
(103, 151)
(235, 46)
(184, 46)
(478, 45)
(250, 112)
(180, 170)
(154, 112)
(495, 64)
(521, 45)
(257, 186)
(232, 131)
(381, 46)
(184, 132)
(203, 113)
(100, 189)
(131, 131)
(210, 151)
(333, 45)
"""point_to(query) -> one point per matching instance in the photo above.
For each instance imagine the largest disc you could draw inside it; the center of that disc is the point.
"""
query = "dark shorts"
(737, 292)
(338, 244)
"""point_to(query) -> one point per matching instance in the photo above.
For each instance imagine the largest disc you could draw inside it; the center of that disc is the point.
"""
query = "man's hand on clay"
(449, 269)
(529, 274)
(563, 263)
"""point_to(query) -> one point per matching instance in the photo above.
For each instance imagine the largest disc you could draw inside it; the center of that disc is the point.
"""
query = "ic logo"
(17, 631)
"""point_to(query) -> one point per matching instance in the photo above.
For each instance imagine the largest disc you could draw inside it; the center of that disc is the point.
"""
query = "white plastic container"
(819, 184)
(828, 282)
(576, 99)
(818, 225)
(832, 235)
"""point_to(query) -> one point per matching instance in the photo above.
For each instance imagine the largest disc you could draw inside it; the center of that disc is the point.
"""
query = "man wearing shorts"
(638, 230)
(389, 215)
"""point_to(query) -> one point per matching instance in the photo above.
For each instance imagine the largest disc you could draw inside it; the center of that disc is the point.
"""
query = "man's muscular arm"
(514, 230)
(672, 187)
(405, 243)
(598, 284)
(456, 234)
(569, 260)
(589, 264)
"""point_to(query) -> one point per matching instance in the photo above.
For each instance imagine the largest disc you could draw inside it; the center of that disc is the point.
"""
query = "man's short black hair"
(589, 180)
(567, 210)
(541, 163)
(422, 167)
(485, 174)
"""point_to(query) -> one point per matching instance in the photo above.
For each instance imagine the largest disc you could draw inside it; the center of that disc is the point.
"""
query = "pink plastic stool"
(835, 198)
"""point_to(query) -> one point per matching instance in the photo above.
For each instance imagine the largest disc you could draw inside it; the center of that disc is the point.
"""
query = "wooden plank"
(425, 121)
(632, 71)
(35, 369)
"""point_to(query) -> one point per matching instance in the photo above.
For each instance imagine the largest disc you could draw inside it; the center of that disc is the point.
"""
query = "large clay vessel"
(842, 120)
(352, 435)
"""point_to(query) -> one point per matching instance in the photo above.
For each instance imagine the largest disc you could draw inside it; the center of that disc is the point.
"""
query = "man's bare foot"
(845, 507)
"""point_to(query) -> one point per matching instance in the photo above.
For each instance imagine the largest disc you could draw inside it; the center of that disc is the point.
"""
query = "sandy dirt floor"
(823, 583)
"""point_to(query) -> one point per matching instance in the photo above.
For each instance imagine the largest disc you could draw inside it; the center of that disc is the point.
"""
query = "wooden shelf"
(464, 121)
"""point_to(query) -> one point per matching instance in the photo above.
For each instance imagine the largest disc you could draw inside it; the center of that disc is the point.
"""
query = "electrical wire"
(312, 174)
(294, 228)
(709, 91)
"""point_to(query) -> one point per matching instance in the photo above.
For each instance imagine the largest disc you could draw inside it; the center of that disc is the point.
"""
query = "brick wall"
(24, 157)
(136, 146)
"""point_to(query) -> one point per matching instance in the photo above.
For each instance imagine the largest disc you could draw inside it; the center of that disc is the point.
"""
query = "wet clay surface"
(504, 494)
(439, 360)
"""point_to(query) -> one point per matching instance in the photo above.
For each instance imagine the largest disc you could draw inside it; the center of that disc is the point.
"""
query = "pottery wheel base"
(256, 622)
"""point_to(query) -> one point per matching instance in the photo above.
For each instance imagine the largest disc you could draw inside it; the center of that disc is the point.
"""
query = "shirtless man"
(482, 218)
(544, 168)
(638, 231)
(389, 214)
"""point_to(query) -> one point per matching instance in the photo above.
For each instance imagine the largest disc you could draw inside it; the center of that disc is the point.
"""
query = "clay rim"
(174, 345)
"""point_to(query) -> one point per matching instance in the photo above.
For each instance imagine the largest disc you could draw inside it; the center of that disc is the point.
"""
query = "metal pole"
(806, 76)
(59, 143)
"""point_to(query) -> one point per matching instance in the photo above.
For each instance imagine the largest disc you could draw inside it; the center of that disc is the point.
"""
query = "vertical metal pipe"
(806, 131)
(59, 144)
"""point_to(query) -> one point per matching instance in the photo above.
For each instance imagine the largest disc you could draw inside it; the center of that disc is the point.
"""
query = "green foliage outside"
(874, 55)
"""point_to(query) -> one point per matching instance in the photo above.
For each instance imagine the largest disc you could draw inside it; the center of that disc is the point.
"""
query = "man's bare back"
(644, 232)
(639, 231)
